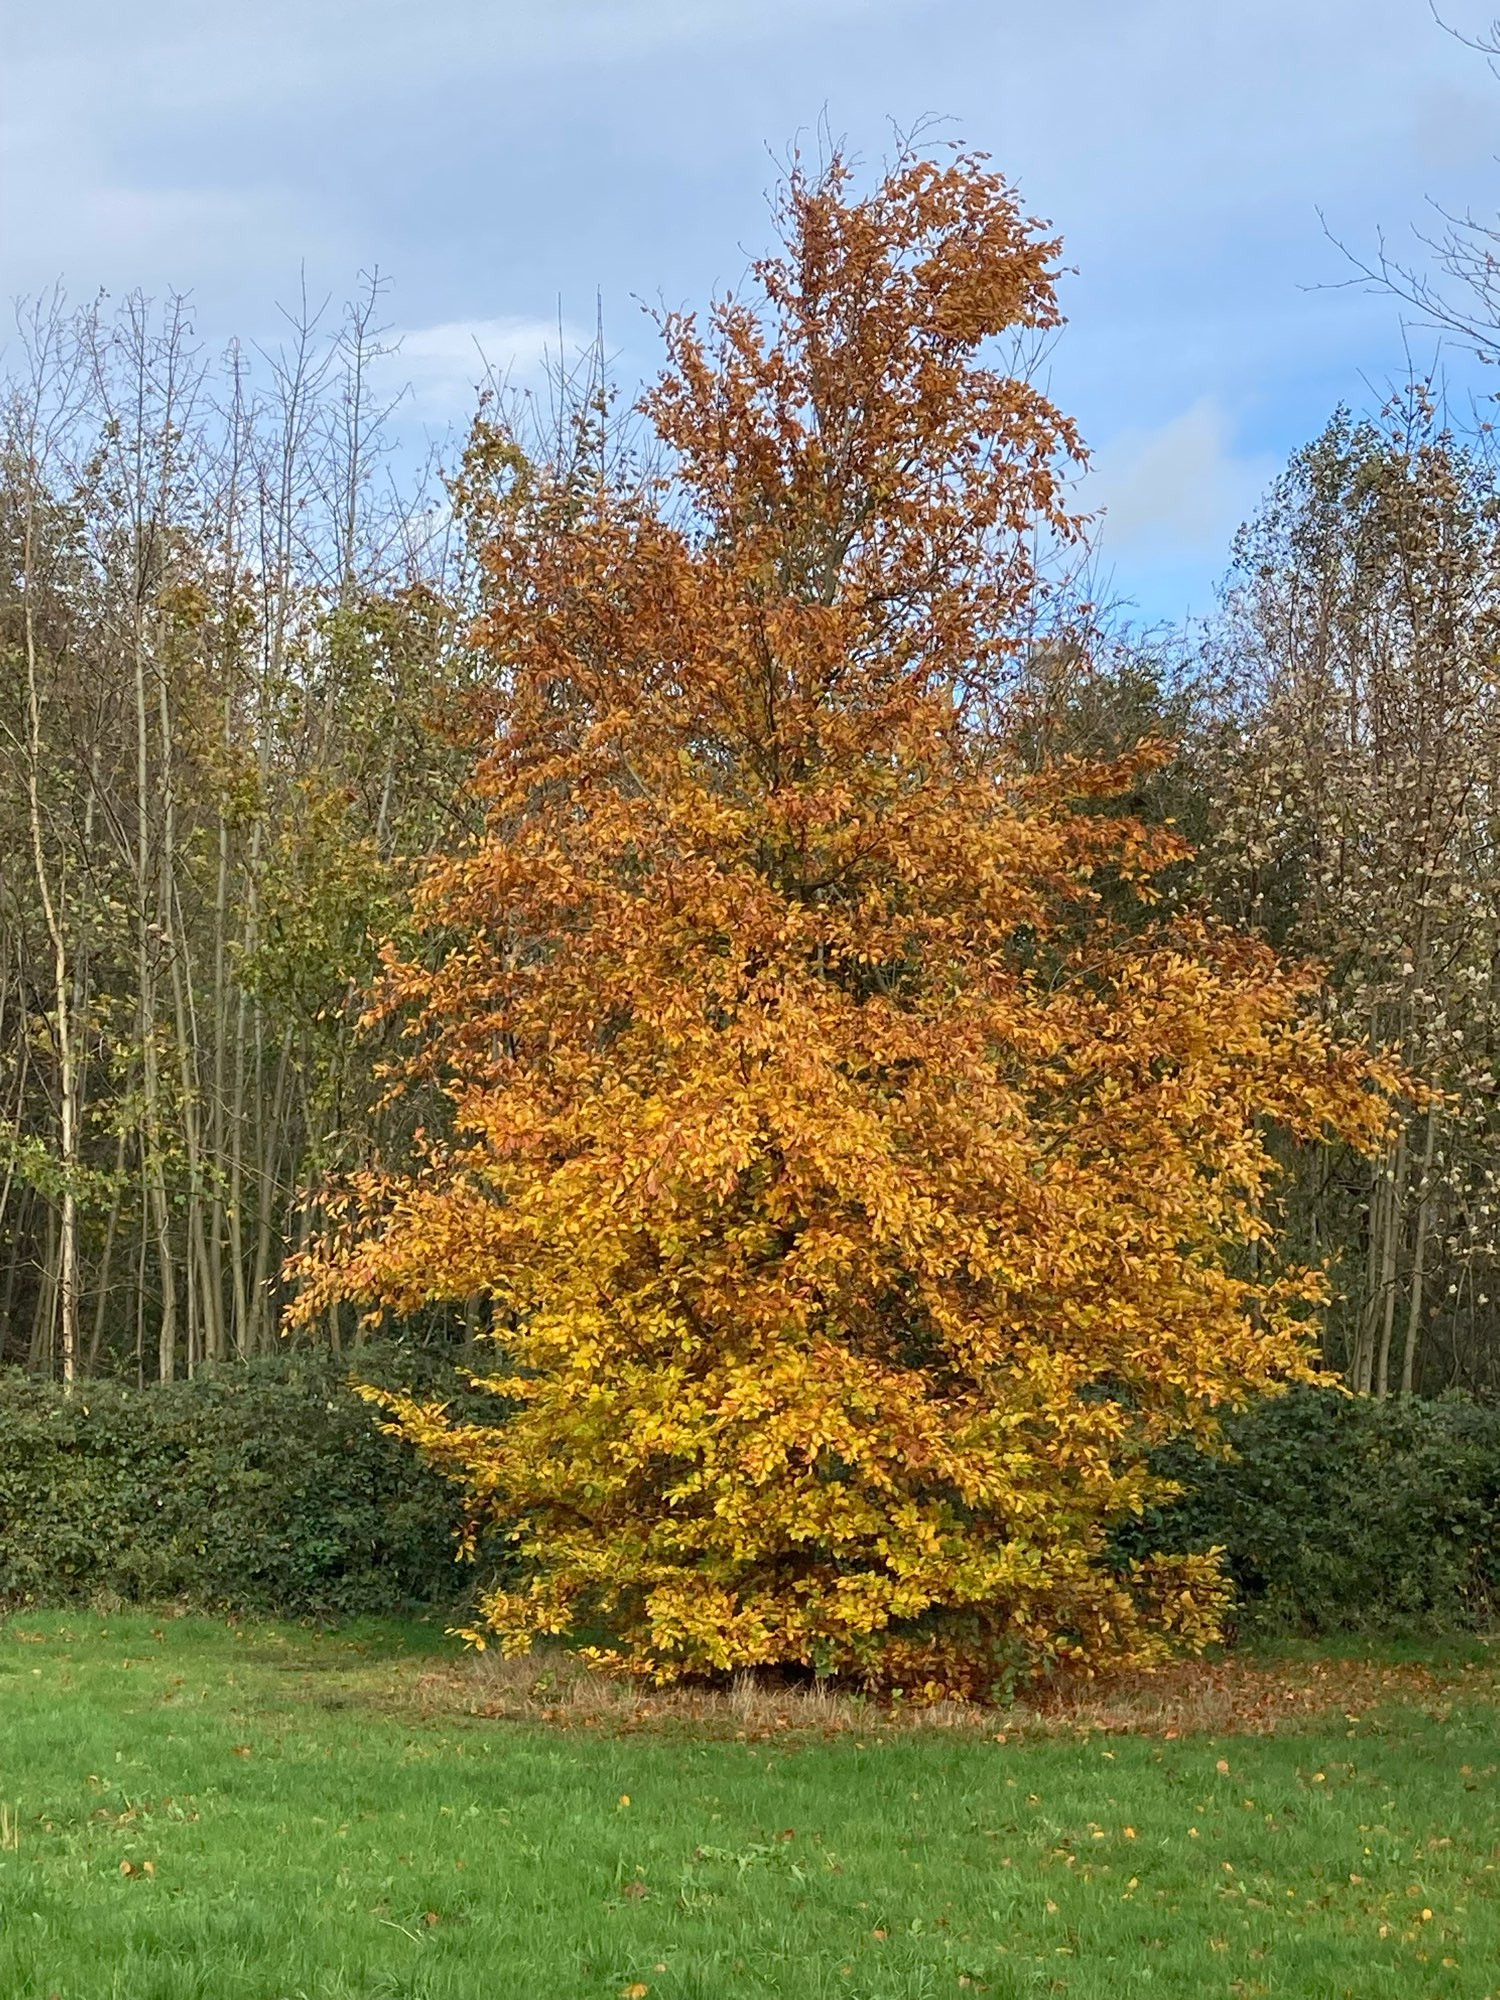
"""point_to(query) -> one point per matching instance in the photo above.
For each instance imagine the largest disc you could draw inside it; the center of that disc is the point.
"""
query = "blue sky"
(506, 162)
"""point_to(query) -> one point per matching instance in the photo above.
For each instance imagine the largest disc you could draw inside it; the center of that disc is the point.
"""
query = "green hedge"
(262, 1487)
(267, 1487)
(1343, 1514)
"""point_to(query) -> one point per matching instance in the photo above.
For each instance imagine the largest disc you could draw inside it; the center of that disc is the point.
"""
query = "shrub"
(262, 1487)
(1343, 1514)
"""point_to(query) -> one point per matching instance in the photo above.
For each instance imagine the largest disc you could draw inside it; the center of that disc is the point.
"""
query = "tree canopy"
(857, 1194)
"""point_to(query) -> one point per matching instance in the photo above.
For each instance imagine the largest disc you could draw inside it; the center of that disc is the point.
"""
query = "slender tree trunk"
(267, 1192)
(106, 1258)
(156, 1201)
(1362, 1363)
(1419, 1255)
(41, 1356)
(1395, 1218)
(66, 1276)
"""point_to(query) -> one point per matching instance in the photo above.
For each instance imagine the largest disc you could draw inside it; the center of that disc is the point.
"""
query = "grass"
(263, 1813)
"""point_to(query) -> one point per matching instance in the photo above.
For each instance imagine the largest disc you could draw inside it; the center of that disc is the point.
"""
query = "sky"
(511, 165)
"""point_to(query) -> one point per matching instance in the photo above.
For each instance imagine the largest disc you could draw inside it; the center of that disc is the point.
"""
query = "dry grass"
(1236, 1695)
(558, 1688)
(1246, 1696)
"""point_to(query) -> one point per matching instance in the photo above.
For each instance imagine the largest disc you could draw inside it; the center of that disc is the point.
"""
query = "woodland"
(237, 653)
(701, 892)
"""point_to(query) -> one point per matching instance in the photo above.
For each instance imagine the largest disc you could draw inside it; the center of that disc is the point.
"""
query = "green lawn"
(262, 1813)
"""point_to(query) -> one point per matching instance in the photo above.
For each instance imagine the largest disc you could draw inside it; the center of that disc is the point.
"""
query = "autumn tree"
(857, 1198)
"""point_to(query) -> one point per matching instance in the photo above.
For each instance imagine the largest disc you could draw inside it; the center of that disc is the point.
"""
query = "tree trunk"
(1419, 1255)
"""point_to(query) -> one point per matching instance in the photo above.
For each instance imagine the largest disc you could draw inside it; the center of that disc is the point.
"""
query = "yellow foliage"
(862, 1180)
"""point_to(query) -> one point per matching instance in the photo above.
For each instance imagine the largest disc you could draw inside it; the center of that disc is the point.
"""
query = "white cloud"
(74, 218)
(442, 368)
(1180, 490)
(177, 52)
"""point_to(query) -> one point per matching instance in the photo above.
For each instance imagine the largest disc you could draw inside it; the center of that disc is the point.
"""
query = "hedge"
(1344, 1514)
(265, 1486)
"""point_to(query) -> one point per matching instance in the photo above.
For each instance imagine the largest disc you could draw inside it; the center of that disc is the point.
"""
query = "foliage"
(1353, 772)
(858, 1198)
(189, 1806)
(223, 649)
(1341, 1513)
(265, 1487)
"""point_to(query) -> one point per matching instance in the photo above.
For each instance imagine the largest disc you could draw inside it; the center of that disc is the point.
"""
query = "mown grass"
(261, 1813)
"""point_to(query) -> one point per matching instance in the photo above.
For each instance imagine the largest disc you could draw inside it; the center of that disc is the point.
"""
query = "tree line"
(225, 639)
(240, 684)
(1337, 725)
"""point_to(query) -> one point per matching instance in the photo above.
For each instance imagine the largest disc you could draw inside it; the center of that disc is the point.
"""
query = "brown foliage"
(858, 1198)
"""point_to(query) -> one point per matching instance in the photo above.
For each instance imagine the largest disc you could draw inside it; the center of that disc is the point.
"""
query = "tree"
(1453, 287)
(857, 1198)
(221, 648)
(1355, 781)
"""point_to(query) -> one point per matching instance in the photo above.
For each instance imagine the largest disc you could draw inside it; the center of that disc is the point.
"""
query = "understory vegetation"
(269, 1489)
(264, 1487)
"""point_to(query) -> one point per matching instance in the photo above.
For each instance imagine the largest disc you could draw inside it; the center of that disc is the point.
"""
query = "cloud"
(168, 142)
(439, 370)
(70, 213)
(1180, 490)
(174, 53)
